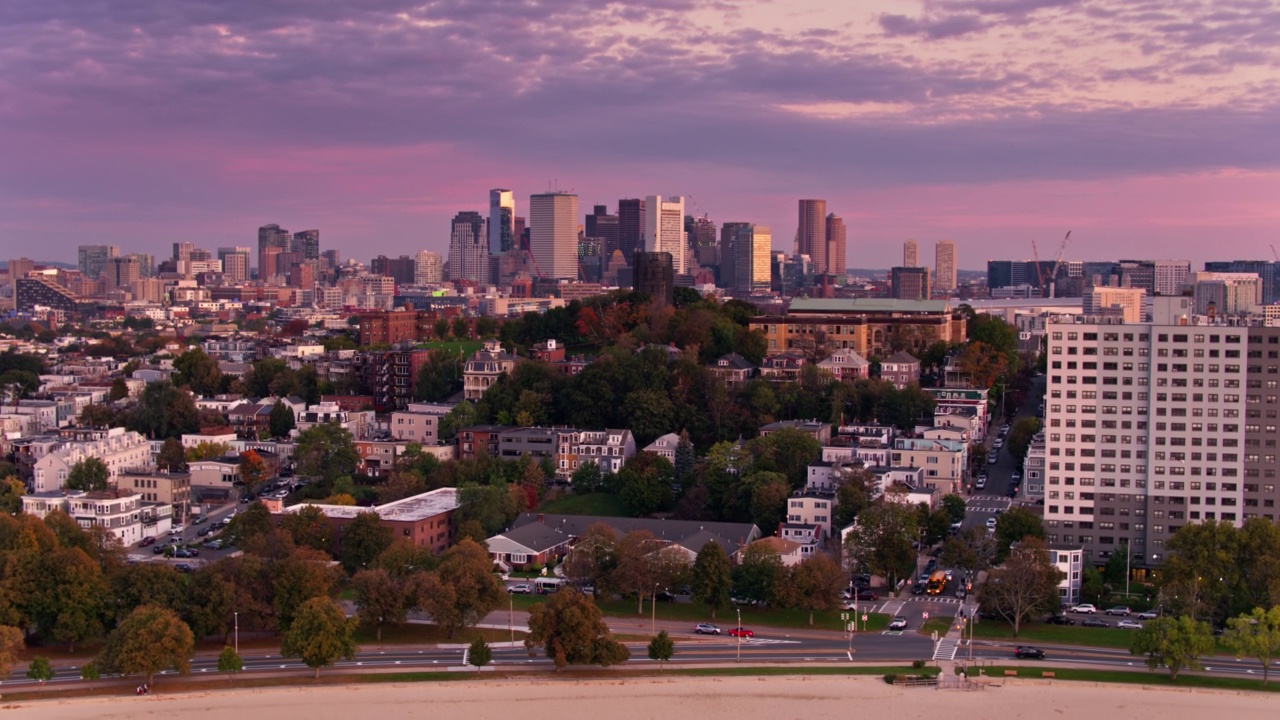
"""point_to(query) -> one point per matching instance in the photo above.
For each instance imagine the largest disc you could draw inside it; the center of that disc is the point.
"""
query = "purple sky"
(1147, 128)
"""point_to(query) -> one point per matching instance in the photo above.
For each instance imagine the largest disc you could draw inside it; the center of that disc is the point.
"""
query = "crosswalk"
(935, 599)
(946, 649)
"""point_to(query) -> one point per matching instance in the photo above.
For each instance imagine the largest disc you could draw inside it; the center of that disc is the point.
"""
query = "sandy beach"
(730, 698)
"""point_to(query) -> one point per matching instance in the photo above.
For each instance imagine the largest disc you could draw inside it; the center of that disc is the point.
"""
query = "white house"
(117, 448)
(664, 446)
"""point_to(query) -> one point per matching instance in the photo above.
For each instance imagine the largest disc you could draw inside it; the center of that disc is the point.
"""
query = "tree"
(479, 654)
(461, 328)
(1176, 643)
(149, 640)
(661, 648)
(440, 377)
(88, 474)
(164, 411)
(40, 670)
(11, 644)
(853, 494)
(471, 589)
(972, 550)
(571, 630)
(379, 599)
(95, 415)
(1015, 525)
(308, 527)
(297, 578)
(684, 458)
(207, 450)
(11, 492)
(592, 558)
(955, 507)
(1026, 585)
(633, 571)
(363, 541)
(758, 575)
(1257, 635)
(320, 634)
(229, 660)
(172, 456)
(253, 471)
(814, 585)
(254, 522)
(1020, 436)
(586, 478)
(769, 494)
(441, 328)
(119, 390)
(199, 372)
(327, 451)
(281, 421)
(712, 577)
(881, 541)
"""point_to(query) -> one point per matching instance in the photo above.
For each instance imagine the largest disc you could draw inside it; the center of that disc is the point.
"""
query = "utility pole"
(236, 616)
(739, 658)
(653, 609)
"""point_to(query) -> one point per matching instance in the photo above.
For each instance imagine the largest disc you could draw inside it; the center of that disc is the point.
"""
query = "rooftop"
(410, 509)
(868, 305)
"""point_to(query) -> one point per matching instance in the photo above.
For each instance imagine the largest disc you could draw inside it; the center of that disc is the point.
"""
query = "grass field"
(939, 625)
(419, 634)
(1158, 678)
(604, 504)
(1061, 634)
(454, 347)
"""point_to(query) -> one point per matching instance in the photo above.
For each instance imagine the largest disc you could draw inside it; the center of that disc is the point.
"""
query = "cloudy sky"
(1148, 128)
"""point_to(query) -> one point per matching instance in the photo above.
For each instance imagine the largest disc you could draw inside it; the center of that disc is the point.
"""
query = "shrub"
(917, 664)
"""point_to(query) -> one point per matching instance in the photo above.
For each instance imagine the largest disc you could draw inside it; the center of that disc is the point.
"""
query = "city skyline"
(1151, 132)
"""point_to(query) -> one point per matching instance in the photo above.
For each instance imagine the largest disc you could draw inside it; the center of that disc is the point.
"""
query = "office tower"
(521, 228)
(836, 240)
(332, 258)
(664, 229)
(427, 267)
(19, 269)
(1171, 275)
(944, 267)
(182, 251)
(1265, 270)
(270, 238)
(630, 226)
(553, 235)
(1226, 293)
(603, 226)
(1123, 303)
(400, 269)
(702, 237)
(468, 247)
(235, 264)
(120, 273)
(1162, 441)
(306, 244)
(502, 215)
(146, 263)
(94, 257)
(909, 283)
(303, 275)
(910, 255)
(745, 263)
(655, 277)
(811, 234)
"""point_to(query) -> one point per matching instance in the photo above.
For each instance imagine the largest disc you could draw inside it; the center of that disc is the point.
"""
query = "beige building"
(484, 368)
(910, 254)
(944, 267)
(1124, 303)
(874, 328)
(419, 423)
(117, 448)
(172, 489)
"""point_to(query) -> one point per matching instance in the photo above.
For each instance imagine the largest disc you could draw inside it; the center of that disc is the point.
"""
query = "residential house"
(535, 442)
(478, 441)
(809, 518)
(484, 368)
(419, 422)
(121, 513)
(845, 364)
(962, 407)
(214, 479)
(117, 448)
(783, 367)
(944, 461)
(1070, 562)
(819, 430)
(733, 370)
(548, 351)
(608, 449)
(160, 486)
(664, 446)
(901, 369)
(378, 457)
(790, 551)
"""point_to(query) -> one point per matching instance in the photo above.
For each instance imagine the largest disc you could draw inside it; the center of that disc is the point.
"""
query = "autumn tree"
(1025, 586)
(1256, 635)
(207, 450)
(253, 471)
(11, 643)
(151, 639)
(88, 474)
(571, 631)
(379, 599)
(1175, 643)
(308, 527)
(298, 578)
(172, 456)
(320, 635)
(592, 558)
(363, 541)
(712, 577)
(814, 585)
(95, 415)
(633, 571)
(11, 491)
(769, 494)
(473, 591)
(199, 372)
(326, 451)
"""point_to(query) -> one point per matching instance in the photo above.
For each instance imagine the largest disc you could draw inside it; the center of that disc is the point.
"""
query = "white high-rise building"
(1171, 275)
(944, 267)
(664, 229)
(468, 248)
(502, 218)
(1227, 293)
(553, 234)
(427, 268)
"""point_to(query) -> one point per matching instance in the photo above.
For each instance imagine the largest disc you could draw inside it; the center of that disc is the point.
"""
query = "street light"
(511, 611)
(236, 616)
(739, 658)
(653, 610)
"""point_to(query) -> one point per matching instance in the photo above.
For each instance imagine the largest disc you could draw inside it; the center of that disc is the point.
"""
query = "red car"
(741, 632)
(148, 540)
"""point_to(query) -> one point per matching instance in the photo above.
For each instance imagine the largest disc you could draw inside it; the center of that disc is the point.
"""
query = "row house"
(419, 422)
(845, 365)
(608, 449)
(784, 367)
(121, 513)
(117, 448)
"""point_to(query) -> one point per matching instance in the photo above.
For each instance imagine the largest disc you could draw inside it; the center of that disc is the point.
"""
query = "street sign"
(925, 615)
(864, 617)
(849, 626)
(844, 616)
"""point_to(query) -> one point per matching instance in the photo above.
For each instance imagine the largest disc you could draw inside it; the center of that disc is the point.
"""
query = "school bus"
(937, 583)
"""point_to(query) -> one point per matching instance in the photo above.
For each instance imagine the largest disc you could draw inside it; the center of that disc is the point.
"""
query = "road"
(993, 499)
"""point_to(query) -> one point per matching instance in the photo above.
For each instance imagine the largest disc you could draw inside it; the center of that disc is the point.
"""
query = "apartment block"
(1144, 432)
(1262, 416)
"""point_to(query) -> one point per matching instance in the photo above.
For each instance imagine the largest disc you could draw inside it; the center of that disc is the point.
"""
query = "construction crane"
(1275, 254)
(1047, 280)
(1053, 272)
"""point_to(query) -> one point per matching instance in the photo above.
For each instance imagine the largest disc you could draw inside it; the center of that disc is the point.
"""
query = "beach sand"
(728, 698)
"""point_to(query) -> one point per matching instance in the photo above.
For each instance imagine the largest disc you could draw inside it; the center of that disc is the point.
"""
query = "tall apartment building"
(19, 268)
(1124, 303)
(468, 248)
(427, 268)
(272, 241)
(631, 214)
(910, 254)
(1226, 293)
(703, 240)
(93, 258)
(306, 244)
(811, 234)
(1145, 432)
(502, 217)
(664, 229)
(1262, 417)
(944, 267)
(553, 234)
(1170, 276)
(235, 264)
(836, 245)
(120, 273)
(909, 283)
(1264, 269)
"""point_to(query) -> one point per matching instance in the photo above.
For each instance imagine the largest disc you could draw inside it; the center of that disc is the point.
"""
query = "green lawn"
(940, 625)
(1160, 677)
(455, 347)
(1062, 634)
(825, 670)
(603, 504)
(420, 634)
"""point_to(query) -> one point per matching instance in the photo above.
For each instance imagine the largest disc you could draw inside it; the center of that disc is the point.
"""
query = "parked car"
(1094, 622)
(868, 595)
(999, 443)
(1118, 610)
(184, 568)
(1147, 615)
(898, 623)
(1085, 608)
(214, 544)
(182, 553)
(741, 632)
(521, 589)
(148, 540)
(1129, 625)
(204, 531)
(918, 589)
(200, 520)
(1012, 491)
(176, 530)
(1016, 476)
(992, 458)
(1026, 652)
(158, 549)
(962, 592)
(706, 629)
(1060, 620)
(991, 523)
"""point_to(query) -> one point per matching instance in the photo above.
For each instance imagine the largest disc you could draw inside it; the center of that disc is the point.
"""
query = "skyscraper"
(811, 234)
(836, 246)
(664, 229)
(235, 263)
(630, 226)
(306, 244)
(93, 258)
(120, 273)
(655, 277)
(553, 234)
(745, 268)
(270, 237)
(603, 227)
(502, 216)
(909, 283)
(146, 263)
(427, 268)
(468, 247)
(910, 255)
(729, 234)
(702, 238)
(182, 251)
(944, 266)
